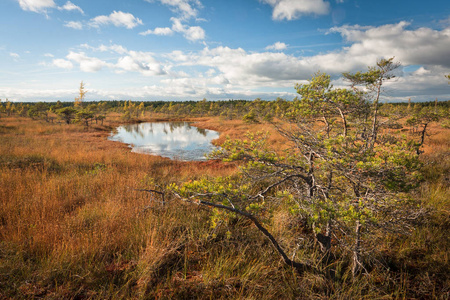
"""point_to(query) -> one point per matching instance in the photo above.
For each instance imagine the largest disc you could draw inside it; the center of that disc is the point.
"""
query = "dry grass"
(73, 226)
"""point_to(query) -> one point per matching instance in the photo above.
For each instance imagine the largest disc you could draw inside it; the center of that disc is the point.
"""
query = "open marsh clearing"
(73, 225)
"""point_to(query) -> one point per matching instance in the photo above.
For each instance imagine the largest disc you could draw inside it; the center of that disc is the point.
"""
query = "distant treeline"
(250, 111)
(160, 103)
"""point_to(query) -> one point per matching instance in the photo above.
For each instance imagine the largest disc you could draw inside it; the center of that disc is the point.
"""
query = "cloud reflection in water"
(175, 140)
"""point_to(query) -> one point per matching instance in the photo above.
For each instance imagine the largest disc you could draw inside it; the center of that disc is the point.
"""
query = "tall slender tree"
(82, 93)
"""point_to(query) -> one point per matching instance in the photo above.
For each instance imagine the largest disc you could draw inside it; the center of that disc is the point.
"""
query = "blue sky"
(216, 49)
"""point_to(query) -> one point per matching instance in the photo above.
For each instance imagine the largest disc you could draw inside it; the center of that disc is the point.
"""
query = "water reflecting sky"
(175, 140)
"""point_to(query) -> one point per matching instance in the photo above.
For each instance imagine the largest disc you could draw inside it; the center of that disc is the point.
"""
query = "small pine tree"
(82, 92)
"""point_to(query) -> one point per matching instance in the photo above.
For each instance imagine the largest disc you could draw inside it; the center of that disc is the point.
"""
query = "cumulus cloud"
(127, 61)
(143, 62)
(421, 71)
(114, 48)
(240, 67)
(424, 84)
(158, 31)
(294, 9)
(41, 94)
(186, 9)
(62, 63)
(192, 33)
(118, 19)
(69, 6)
(104, 48)
(74, 25)
(422, 46)
(277, 46)
(223, 72)
(238, 72)
(178, 56)
(38, 6)
(87, 64)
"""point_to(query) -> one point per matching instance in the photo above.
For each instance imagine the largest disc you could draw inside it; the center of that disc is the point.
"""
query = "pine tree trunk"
(356, 268)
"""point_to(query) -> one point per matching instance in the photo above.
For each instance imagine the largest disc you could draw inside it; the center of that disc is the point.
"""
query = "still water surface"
(175, 140)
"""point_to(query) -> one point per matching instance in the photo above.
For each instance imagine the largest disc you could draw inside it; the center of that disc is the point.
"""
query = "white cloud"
(241, 68)
(192, 33)
(422, 46)
(62, 63)
(128, 61)
(177, 26)
(69, 6)
(14, 55)
(186, 90)
(48, 55)
(184, 8)
(277, 46)
(223, 72)
(114, 48)
(143, 62)
(158, 31)
(294, 9)
(424, 84)
(74, 24)
(87, 64)
(210, 72)
(38, 6)
(103, 48)
(178, 56)
(421, 71)
(34, 94)
(118, 19)
(252, 70)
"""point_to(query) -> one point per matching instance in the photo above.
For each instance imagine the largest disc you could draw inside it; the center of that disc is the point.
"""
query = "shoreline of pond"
(180, 140)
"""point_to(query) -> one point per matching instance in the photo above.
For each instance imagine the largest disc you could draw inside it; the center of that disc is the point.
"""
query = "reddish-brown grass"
(72, 225)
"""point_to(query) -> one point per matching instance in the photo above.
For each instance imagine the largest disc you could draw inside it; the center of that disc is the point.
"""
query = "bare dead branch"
(300, 267)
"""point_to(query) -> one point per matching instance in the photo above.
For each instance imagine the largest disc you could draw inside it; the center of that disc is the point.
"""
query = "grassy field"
(73, 225)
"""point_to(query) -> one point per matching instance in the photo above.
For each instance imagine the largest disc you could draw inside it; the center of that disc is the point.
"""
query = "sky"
(217, 49)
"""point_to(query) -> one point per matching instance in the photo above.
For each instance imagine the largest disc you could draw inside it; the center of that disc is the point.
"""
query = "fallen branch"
(300, 267)
(156, 192)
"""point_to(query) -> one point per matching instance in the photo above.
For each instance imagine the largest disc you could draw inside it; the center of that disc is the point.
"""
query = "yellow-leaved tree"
(83, 92)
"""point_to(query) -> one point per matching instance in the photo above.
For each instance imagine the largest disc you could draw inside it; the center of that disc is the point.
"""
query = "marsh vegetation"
(363, 211)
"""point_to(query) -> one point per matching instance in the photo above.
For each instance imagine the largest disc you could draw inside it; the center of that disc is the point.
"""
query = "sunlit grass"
(73, 225)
